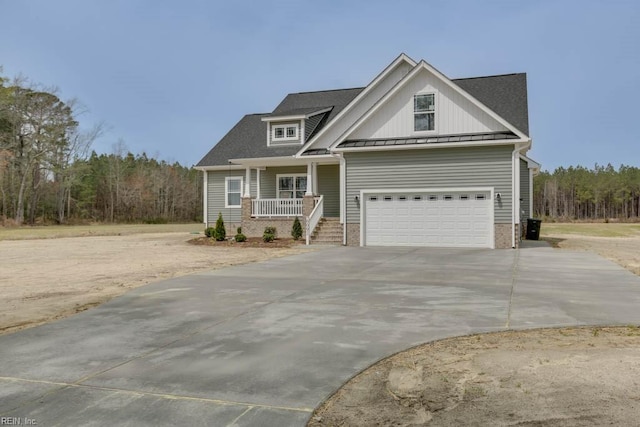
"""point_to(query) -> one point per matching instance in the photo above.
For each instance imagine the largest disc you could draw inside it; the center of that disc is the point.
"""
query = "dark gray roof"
(489, 136)
(247, 139)
(298, 111)
(506, 95)
(338, 99)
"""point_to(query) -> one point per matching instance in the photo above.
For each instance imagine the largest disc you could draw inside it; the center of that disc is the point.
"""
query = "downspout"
(205, 189)
(515, 187)
(343, 196)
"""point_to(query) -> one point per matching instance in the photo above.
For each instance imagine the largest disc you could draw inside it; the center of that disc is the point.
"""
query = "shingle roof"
(247, 139)
(298, 111)
(505, 94)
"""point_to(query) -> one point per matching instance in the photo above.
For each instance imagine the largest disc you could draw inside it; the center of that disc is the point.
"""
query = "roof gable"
(438, 82)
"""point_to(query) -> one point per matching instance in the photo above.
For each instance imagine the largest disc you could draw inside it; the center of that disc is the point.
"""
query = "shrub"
(239, 236)
(220, 233)
(209, 231)
(269, 234)
(296, 230)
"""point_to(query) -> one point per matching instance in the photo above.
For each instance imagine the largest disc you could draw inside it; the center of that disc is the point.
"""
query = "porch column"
(309, 191)
(247, 183)
(314, 187)
(257, 183)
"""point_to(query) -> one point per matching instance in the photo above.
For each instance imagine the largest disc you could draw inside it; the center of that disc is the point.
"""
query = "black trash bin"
(533, 229)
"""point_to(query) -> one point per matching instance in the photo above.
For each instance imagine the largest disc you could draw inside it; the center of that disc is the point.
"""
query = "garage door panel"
(460, 219)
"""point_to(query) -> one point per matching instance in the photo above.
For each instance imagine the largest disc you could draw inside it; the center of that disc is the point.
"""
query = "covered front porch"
(275, 192)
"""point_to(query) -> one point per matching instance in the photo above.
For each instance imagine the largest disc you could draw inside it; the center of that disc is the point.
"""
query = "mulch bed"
(252, 242)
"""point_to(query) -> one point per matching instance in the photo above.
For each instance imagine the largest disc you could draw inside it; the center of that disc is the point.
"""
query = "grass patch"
(590, 229)
(57, 231)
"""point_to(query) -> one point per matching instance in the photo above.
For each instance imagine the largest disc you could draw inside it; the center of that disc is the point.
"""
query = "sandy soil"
(624, 251)
(42, 280)
(552, 377)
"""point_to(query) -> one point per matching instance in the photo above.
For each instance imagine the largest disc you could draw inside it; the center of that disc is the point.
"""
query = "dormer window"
(424, 112)
(287, 132)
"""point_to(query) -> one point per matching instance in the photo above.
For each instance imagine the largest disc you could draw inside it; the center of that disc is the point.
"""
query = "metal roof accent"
(493, 136)
(316, 152)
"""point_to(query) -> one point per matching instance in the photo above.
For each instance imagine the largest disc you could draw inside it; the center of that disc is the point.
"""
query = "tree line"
(48, 172)
(580, 193)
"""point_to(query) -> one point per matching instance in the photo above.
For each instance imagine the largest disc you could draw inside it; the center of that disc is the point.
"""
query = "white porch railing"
(276, 207)
(314, 218)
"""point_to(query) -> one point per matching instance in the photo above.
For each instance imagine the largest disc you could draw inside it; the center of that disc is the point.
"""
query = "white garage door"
(440, 219)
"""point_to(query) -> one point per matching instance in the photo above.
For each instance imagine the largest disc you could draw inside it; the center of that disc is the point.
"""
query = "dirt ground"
(624, 251)
(46, 279)
(551, 377)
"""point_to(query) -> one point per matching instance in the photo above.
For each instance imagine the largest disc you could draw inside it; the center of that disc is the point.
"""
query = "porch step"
(328, 231)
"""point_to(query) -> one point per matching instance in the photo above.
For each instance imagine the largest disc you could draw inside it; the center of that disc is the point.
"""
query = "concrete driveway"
(263, 344)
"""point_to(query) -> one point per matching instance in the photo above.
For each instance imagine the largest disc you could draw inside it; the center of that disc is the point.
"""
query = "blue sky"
(172, 77)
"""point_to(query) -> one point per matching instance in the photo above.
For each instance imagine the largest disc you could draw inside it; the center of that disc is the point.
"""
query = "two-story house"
(412, 159)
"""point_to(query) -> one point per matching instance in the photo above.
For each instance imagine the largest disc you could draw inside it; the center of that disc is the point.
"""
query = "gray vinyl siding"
(431, 168)
(311, 124)
(268, 179)
(216, 193)
(329, 187)
(524, 189)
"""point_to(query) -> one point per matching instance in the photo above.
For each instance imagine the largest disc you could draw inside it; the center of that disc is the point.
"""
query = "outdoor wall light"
(357, 199)
(498, 196)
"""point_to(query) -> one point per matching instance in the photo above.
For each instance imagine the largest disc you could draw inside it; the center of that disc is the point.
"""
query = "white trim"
(296, 116)
(247, 183)
(355, 101)
(429, 146)
(491, 190)
(326, 159)
(285, 128)
(205, 198)
(423, 65)
(258, 183)
(226, 191)
(314, 171)
(218, 168)
(294, 175)
(436, 101)
(343, 192)
(309, 189)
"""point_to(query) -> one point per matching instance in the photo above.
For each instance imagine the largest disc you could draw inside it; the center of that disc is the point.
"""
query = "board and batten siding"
(524, 190)
(350, 117)
(431, 168)
(329, 187)
(454, 113)
(216, 193)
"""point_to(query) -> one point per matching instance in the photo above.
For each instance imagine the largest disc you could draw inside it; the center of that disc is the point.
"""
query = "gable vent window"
(424, 112)
(284, 133)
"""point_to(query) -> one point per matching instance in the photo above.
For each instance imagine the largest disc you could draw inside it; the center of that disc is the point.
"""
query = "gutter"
(518, 149)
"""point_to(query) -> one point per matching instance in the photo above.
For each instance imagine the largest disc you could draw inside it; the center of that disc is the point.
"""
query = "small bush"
(209, 231)
(220, 233)
(239, 236)
(269, 234)
(296, 230)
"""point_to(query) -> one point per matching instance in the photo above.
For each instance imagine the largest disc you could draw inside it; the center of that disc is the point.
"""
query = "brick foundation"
(503, 236)
(353, 234)
(254, 227)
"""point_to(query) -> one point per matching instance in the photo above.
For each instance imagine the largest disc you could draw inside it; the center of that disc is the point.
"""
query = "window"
(233, 189)
(417, 198)
(433, 198)
(447, 197)
(464, 197)
(291, 186)
(480, 197)
(424, 112)
(387, 198)
(373, 198)
(284, 132)
(402, 198)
